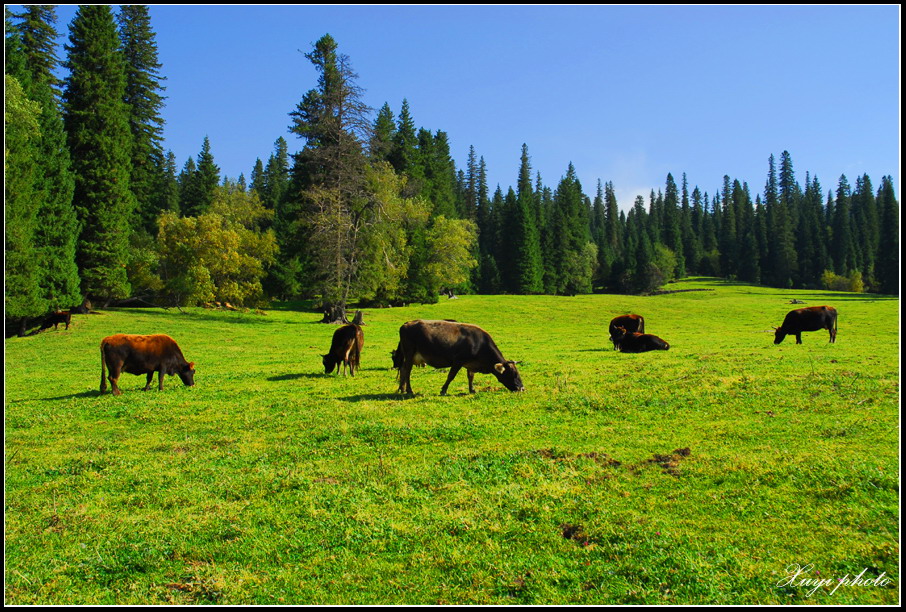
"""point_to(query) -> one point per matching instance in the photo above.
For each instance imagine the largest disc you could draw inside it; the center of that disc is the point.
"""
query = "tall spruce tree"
(888, 255)
(22, 299)
(144, 103)
(842, 245)
(100, 143)
(57, 227)
(381, 143)
(526, 239)
(331, 170)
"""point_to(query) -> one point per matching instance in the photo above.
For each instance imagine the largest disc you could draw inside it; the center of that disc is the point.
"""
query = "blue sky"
(625, 93)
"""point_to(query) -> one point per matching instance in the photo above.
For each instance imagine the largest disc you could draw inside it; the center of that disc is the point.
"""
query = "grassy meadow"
(705, 474)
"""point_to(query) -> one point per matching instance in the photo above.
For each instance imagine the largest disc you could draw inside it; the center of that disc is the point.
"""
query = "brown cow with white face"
(138, 355)
(448, 344)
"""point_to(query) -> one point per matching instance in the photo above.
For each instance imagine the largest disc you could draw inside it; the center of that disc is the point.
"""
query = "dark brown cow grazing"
(812, 318)
(634, 342)
(345, 348)
(55, 318)
(143, 355)
(631, 323)
(447, 344)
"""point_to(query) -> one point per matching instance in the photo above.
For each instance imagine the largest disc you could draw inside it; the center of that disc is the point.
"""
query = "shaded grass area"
(697, 475)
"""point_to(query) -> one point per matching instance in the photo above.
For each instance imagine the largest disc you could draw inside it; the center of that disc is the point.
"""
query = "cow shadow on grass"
(297, 376)
(376, 397)
(82, 395)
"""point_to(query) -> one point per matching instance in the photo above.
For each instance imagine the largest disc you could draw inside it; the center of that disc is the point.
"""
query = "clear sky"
(625, 93)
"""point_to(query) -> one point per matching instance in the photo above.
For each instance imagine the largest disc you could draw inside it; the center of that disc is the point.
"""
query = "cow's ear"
(500, 368)
(191, 365)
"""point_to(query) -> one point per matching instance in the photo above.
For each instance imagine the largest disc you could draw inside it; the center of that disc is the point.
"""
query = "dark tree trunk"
(335, 313)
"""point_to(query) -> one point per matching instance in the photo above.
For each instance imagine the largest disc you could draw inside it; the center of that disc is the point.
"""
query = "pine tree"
(783, 263)
(188, 189)
(23, 297)
(842, 245)
(169, 187)
(331, 173)
(204, 183)
(144, 103)
(439, 173)
(526, 251)
(888, 255)
(276, 176)
(866, 225)
(405, 142)
(100, 143)
(381, 144)
(57, 228)
(673, 235)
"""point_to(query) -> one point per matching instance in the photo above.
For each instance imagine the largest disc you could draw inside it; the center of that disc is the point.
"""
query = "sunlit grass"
(270, 482)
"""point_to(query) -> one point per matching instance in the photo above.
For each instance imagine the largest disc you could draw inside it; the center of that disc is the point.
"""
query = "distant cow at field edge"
(634, 342)
(812, 318)
(630, 323)
(138, 355)
(447, 344)
(345, 348)
(55, 318)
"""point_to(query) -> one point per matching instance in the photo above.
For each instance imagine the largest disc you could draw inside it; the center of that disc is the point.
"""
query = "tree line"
(372, 211)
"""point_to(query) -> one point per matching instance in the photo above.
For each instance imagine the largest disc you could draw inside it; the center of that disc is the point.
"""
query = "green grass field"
(701, 475)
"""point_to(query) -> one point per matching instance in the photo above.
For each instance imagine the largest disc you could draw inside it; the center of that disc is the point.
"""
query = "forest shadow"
(214, 315)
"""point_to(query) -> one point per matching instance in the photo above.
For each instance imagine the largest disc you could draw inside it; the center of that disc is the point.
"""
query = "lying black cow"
(345, 348)
(143, 355)
(630, 323)
(634, 342)
(55, 318)
(447, 344)
(812, 318)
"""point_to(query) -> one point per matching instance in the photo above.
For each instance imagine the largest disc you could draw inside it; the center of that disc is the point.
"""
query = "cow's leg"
(833, 335)
(148, 381)
(405, 371)
(160, 379)
(113, 378)
(798, 337)
(471, 375)
(453, 372)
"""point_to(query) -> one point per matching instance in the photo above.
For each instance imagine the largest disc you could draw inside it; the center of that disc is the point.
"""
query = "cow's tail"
(103, 370)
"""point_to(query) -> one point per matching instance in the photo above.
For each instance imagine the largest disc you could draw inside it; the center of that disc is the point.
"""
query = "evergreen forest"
(371, 211)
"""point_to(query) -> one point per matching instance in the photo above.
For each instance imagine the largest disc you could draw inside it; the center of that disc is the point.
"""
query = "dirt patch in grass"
(671, 463)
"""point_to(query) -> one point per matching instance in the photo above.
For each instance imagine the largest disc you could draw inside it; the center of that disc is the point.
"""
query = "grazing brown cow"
(345, 348)
(634, 342)
(812, 318)
(448, 344)
(631, 323)
(143, 355)
(55, 318)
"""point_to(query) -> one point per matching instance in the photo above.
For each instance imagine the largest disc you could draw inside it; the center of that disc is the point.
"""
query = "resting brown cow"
(634, 342)
(812, 318)
(55, 318)
(447, 344)
(143, 355)
(345, 348)
(631, 323)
